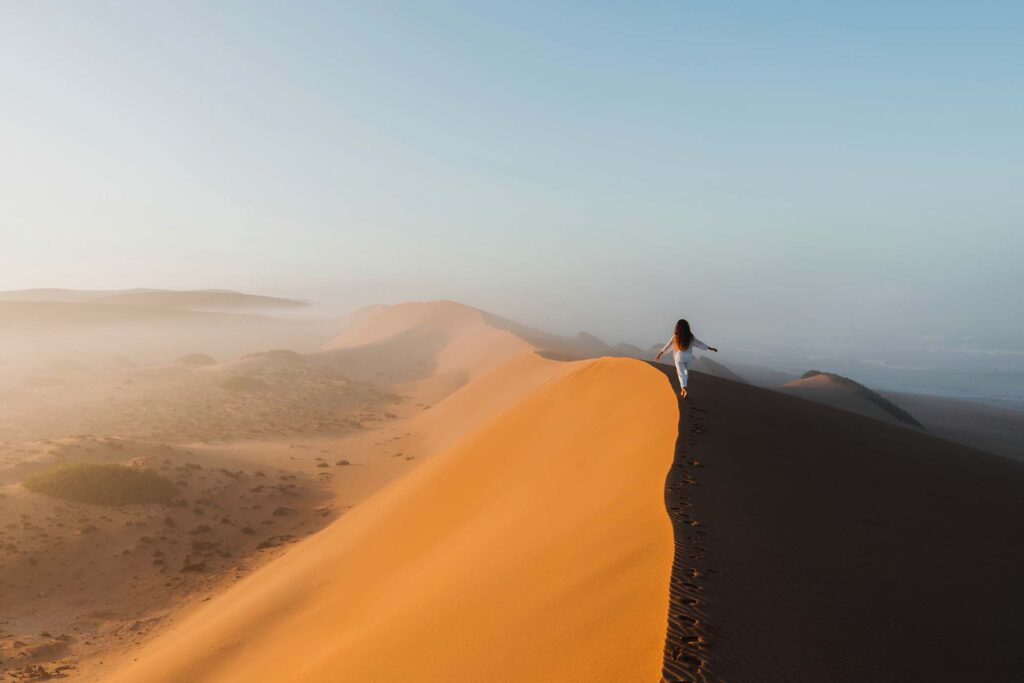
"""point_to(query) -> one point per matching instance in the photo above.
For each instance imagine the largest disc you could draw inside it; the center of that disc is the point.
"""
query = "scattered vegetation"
(101, 484)
(858, 388)
(243, 383)
(197, 359)
(285, 357)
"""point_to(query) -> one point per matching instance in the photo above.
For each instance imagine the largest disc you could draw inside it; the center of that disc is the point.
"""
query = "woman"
(682, 343)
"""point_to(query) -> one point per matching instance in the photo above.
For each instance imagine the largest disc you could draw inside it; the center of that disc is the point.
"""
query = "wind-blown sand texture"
(833, 547)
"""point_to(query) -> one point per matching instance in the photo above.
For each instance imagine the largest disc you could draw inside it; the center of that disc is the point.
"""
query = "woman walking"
(682, 343)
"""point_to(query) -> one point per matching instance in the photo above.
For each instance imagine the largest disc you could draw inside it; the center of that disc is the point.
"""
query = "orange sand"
(537, 548)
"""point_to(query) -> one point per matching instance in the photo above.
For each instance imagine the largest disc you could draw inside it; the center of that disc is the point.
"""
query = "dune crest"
(536, 548)
(459, 335)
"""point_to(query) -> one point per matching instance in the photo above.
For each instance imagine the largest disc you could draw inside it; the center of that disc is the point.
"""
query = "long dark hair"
(682, 336)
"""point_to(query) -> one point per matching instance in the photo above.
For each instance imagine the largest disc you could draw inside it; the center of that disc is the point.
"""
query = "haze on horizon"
(329, 341)
(807, 174)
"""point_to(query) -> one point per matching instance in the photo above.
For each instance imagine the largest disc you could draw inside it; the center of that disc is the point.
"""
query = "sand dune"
(535, 549)
(431, 348)
(971, 423)
(844, 393)
(432, 376)
(814, 544)
(462, 332)
(513, 521)
(457, 337)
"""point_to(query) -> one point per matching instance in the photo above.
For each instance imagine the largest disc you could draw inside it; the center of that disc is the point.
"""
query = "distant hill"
(207, 299)
(199, 299)
(53, 295)
(843, 392)
(628, 350)
(58, 313)
(590, 344)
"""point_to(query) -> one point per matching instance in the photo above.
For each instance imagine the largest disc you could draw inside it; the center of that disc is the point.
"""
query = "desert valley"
(429, 492)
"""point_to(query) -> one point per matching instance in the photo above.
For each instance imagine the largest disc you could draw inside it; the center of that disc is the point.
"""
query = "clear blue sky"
(802, 169)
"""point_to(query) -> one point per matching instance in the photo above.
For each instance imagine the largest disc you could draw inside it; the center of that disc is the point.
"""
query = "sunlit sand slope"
(432, 349)
(443, 335)
(536, 548)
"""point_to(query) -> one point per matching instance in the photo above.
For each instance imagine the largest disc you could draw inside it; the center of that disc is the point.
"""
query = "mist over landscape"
(852, 217)
(339, 342)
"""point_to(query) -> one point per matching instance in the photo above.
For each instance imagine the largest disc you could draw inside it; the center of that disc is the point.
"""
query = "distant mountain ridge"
(197, 299)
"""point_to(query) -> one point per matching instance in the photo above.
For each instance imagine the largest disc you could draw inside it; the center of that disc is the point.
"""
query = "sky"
(799, 172)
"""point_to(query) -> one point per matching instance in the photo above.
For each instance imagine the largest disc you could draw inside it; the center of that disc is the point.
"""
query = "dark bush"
(101, 484)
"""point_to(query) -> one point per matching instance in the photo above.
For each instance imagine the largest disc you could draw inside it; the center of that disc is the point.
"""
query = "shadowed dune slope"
(974, 424)
(536, 548)
(840, 548)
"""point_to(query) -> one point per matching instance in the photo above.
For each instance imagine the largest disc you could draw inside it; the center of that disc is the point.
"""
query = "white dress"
(683, 358)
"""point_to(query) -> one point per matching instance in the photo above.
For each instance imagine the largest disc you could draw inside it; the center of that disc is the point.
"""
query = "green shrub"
(101, 484)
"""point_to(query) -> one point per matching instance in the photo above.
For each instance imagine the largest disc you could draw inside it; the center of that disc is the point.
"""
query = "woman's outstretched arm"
(664, 348)
(701, 345)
